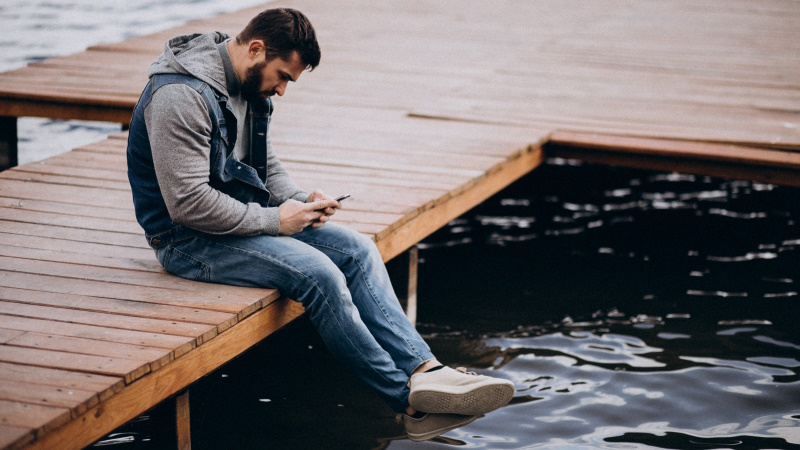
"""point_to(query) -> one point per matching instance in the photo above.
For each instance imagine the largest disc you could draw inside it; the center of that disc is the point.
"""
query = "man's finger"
(320, 205)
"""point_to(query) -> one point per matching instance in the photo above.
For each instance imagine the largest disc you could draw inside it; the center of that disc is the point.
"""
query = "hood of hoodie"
(196, 55)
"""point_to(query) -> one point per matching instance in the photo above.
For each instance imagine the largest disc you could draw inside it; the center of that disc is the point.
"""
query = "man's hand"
(315, 212)
(295, 215)
(327, 212)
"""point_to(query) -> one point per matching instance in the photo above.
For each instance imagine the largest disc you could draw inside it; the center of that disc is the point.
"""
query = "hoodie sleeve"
(180, 138)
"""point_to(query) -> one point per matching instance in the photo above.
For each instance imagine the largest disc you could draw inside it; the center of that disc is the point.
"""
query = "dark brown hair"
(283, 31)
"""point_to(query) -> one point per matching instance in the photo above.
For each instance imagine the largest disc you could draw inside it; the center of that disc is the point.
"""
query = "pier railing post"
(403, 273)
(8, 142)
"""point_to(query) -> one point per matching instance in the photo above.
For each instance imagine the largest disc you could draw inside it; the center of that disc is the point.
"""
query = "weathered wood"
(22, 392)
(115, 306)
(63, 379)
(98, 332)
(457, 203)
(10, 434)
(110, 320)
(7, 335)
(30, 416)
(711, 159)
(159, 385)
(200, 299)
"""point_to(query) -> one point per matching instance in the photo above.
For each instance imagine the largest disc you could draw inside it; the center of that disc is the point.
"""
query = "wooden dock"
(420, 110)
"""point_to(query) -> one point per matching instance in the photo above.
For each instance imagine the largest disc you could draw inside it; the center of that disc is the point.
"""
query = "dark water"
(632, 309)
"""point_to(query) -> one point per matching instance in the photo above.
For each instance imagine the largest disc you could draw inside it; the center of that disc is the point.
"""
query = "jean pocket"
(183, 265)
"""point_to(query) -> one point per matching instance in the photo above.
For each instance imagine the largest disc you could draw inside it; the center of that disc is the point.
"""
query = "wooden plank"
(118, 278)
(105, 212)
(172, 327)
(150, 264)
(157, 386)
(199, 299)
(7, 335)
(74, 195)
(116, 306)
(78, 109)
(680, 149)
(14, 435)
(65, 180)
(60, 378)
(128, 369)
(15, 391)
(96, 332)
(137, 255)
(28, 416)
(722, 161)
(66, 221)
(109, 238)
(155, 357)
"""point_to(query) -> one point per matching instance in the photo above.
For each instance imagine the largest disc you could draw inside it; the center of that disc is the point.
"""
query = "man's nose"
(281, 88)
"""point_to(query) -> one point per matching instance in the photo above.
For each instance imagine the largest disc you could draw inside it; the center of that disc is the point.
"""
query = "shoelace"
(464, 371)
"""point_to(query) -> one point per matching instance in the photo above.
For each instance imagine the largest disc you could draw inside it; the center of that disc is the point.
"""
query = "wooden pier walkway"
(420, 110)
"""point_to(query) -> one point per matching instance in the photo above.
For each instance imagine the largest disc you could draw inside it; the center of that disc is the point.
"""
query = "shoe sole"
(419, 437)
(468, 400)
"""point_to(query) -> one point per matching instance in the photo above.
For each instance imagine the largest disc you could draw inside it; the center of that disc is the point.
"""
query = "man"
(216, 205)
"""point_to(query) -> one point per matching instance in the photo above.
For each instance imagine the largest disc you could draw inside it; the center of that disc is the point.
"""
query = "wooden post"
(403, 273)
(8, 142)
(170, 420)
(182, 422)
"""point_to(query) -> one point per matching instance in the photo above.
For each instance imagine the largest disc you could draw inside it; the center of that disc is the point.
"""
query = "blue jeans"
(338, 276)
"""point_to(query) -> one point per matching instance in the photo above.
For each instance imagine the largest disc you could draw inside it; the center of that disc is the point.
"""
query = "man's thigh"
(341, 244)
(280, 262)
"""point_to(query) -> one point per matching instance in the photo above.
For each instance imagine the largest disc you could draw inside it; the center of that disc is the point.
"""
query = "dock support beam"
(182, 422)
(403, 272)
(8, 142)
(170, 421)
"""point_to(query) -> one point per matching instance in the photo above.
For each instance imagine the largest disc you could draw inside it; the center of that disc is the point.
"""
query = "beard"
(252, 83)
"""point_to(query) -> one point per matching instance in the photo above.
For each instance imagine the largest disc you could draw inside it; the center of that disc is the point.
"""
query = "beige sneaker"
(431, 425)
(457, 391)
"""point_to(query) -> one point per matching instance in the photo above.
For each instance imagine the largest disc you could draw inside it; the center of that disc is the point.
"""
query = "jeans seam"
(371, 293)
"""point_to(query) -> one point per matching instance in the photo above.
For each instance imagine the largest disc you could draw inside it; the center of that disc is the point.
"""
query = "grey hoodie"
(179, 129)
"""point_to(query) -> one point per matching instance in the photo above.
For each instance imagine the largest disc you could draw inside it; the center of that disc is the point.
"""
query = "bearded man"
(216, 205)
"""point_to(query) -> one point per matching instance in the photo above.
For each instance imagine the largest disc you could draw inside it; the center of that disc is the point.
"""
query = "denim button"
(156, 241)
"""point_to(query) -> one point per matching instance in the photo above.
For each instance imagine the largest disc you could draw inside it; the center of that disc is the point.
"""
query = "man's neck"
(238, 58)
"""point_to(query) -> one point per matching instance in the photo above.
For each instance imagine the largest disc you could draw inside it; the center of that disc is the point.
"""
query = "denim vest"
(226, 173)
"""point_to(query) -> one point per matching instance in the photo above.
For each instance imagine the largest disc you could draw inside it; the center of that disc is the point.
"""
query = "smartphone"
(339, 198)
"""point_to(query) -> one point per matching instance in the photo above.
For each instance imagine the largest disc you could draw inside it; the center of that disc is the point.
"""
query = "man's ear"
(255, 47)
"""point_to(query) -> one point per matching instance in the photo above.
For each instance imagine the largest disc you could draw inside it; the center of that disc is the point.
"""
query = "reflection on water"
(631, 309)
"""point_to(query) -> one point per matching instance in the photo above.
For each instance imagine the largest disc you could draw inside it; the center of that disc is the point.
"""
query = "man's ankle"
(426, 366)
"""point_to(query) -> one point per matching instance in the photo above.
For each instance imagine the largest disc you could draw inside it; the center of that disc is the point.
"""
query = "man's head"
(280, 44)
